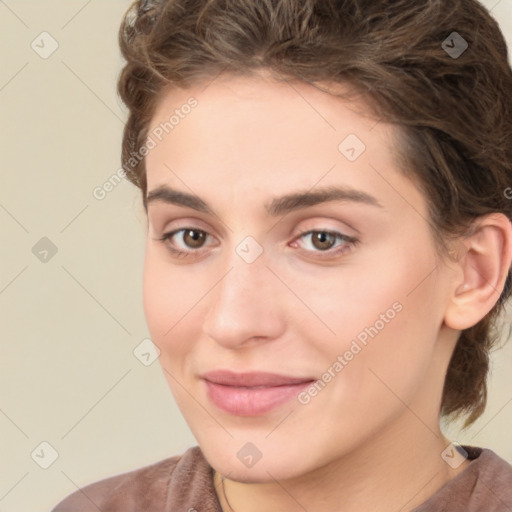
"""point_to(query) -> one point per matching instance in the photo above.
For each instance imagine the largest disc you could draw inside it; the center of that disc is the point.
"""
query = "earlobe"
(484, 269)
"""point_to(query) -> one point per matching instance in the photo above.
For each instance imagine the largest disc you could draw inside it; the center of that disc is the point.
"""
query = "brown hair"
(454, 111)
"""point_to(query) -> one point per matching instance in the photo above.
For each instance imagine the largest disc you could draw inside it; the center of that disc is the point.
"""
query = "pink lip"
(253, 393)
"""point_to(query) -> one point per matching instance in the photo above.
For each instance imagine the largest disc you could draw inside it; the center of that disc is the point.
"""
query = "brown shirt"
(184, 483)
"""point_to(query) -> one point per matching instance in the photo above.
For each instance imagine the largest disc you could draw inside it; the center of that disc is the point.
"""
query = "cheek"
(166, 298)
(166, 302)
(384, 324)
(174, 305)
(158, 298)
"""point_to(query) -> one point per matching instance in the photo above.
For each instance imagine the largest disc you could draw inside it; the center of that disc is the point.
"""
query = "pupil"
(321, 237)
(199, 235)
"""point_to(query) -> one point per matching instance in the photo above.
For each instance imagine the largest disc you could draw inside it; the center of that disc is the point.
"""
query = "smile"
(251, 394)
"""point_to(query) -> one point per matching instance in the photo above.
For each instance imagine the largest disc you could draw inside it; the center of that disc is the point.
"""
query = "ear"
(482, 268)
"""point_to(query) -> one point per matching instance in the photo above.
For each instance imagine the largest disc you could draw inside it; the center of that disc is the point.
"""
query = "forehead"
(265, 99)
(258, 117)
(254, 133)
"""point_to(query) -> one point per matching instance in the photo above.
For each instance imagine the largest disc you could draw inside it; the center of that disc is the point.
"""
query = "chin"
(279, 466)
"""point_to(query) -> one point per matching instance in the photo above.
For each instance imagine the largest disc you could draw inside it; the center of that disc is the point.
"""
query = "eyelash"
(350, 242)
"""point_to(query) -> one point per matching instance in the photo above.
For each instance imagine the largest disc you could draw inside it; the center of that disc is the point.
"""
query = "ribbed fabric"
(484, 486)
(184, 483)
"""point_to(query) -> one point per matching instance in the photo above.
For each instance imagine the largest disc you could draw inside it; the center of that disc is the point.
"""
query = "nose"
(245, 305)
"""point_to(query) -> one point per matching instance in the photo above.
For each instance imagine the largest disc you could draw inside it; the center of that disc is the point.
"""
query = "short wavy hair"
(453, 107)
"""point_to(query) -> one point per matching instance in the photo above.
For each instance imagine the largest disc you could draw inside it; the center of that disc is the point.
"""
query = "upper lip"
(250, 379)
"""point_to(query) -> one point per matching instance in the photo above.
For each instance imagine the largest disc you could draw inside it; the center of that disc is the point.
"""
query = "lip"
(252, 393)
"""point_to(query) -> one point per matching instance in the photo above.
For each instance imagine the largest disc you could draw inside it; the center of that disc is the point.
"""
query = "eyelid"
(350, 242)
(167, 235)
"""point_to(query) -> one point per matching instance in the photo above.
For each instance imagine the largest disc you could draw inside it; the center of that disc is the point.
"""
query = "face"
(340, 292)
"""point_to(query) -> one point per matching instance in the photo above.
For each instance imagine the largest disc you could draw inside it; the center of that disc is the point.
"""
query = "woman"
(329, 247)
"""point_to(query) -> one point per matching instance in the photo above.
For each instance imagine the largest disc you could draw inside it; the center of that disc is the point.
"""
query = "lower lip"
(252, 401)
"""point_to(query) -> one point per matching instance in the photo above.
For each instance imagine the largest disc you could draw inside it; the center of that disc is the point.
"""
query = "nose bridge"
(242, 303)
(245, 269)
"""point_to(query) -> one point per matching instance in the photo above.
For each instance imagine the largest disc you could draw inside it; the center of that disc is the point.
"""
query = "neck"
(398, 470)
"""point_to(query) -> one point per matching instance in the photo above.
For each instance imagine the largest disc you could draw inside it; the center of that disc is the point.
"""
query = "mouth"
(252, 393)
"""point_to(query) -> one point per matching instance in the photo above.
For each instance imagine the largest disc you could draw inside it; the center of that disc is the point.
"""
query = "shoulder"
(485, 485)
(495, 479)
(145, 488)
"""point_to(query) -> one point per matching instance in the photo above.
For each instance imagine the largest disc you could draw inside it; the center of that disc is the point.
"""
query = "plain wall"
(70, 324)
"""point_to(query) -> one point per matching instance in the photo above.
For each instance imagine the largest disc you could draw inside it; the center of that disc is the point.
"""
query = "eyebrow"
(278, 206)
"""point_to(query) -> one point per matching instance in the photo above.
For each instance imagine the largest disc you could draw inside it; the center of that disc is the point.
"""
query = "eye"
(323, 241)
(192, 238)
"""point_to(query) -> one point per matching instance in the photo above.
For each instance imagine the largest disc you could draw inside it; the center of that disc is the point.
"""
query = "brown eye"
(184, 242)
(193, 238)
(322, 240)
(323, 243)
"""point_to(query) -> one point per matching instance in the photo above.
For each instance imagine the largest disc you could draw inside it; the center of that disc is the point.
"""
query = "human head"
(454, 114)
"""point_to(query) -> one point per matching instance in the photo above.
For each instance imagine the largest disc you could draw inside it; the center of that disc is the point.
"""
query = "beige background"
(69, 326)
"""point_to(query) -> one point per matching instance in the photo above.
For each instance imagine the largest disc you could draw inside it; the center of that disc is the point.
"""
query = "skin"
(370, 440)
